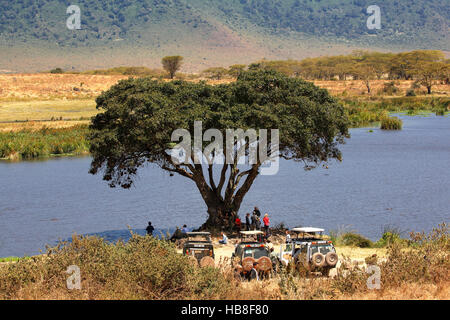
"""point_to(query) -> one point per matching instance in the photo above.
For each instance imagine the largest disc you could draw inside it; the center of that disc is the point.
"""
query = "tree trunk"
(429, 89)
(220, 217)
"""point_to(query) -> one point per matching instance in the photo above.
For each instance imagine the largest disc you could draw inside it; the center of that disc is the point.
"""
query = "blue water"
(396, 178)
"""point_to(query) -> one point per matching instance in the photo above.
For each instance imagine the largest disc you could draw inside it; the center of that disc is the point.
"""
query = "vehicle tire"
(318, 260)
(207, 262)
(264, 264)
(331, 259)
(193, 261)
(247, 263)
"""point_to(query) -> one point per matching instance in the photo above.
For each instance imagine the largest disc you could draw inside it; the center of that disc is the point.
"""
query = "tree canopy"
(139, 116)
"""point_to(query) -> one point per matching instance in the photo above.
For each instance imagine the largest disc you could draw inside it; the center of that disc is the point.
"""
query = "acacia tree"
(215, 72)
(140, 115)
(429, 72)
(172, 64)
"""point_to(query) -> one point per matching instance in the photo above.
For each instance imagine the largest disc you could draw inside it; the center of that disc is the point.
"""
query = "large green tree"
(140, 115)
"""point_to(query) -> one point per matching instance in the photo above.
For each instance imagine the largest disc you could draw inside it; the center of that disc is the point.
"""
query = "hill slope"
(33, 33)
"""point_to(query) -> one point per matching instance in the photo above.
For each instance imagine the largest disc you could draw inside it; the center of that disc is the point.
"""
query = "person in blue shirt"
(185, 229)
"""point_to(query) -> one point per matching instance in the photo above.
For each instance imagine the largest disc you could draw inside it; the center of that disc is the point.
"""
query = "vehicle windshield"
(255, 252)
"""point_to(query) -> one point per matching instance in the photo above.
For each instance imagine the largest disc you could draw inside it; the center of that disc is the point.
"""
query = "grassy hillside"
(33, 34)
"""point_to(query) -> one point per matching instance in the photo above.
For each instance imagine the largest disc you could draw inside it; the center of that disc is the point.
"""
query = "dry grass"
(47, 110)
(38, 125)
(14, 87)
(19, 87)
(358, 87)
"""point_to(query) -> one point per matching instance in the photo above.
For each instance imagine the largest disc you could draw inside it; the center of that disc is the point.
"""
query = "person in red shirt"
(266, 222)
(237, 224)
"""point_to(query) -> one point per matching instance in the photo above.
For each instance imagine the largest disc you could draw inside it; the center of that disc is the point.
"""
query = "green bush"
(391, 123)
(28, 144)
(57, 70)
(391, 235)
(390, 88)
(354, 239)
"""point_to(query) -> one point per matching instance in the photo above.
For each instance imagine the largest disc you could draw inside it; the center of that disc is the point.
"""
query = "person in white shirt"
(224, 239)
(288, 237)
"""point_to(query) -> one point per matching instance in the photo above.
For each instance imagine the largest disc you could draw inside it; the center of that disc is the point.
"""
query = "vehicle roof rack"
(251, 233)
(204, 233)
(308, 229)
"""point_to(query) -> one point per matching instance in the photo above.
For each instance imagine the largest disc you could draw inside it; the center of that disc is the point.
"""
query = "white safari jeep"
(308, 250)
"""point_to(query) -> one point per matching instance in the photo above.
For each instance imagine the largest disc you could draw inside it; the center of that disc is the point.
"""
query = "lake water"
(396, 178)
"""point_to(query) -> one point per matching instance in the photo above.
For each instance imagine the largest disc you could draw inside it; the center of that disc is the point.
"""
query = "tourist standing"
(266, 223)
(247, 222)
(257, 223)
(150, 229)
(257, 212)
(237, 224)
(288, 237)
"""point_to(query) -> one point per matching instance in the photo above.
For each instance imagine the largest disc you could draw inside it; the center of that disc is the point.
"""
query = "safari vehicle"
(249, 250)
(308, 250)
(199, 246)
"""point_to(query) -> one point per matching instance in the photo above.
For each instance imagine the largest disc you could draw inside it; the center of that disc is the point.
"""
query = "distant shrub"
(410, 93)
(390, 88)
(390, 236)
(354, 239)
(57, 70)
(129, 71)
(391, 123)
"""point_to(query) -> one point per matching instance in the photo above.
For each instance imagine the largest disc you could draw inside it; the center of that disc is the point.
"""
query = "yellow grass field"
(20, 87)
(47, 110)
(37, 125)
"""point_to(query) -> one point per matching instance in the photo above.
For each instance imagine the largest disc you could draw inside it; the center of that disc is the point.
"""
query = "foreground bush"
(147, 268)
(143, 268)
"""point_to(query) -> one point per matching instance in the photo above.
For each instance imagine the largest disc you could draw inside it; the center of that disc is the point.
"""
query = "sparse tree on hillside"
(172, 64)
(236, 69)
(428, 73)
(215, 73)
(367, 72)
